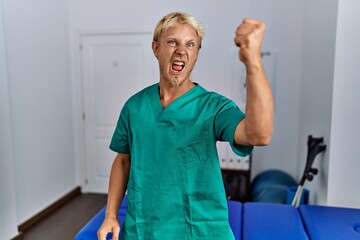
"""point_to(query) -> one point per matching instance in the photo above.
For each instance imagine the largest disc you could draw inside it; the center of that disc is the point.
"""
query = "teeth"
(179, 63)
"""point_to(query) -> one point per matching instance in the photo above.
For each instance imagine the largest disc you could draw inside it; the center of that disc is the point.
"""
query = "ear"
(155, 48)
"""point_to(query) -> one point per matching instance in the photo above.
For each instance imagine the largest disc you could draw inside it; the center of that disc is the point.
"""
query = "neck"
(169, 92)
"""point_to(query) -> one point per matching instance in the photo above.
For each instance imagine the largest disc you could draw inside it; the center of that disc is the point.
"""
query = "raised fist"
(249, 37)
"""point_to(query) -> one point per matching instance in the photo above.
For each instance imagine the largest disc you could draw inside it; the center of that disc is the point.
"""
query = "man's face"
(177, 50)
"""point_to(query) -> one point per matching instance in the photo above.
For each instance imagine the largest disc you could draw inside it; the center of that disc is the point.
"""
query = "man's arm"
(119, 177)
(256, 128)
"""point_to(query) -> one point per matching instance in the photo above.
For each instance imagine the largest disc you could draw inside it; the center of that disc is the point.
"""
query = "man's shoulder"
(220, 101)
(217, 97)
(139, 96)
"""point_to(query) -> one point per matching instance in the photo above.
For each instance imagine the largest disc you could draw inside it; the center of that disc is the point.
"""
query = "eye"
(172, 43)
(190, 44)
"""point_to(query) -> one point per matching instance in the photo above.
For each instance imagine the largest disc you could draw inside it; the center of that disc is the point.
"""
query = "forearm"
(256, 128)
(117, 186)
(259, 105)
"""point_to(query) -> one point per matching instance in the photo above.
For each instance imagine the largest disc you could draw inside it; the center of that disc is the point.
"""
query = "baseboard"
(47, 211)
(20, 236)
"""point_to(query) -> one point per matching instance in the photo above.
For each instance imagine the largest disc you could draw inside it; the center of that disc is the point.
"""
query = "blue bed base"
(269, 221)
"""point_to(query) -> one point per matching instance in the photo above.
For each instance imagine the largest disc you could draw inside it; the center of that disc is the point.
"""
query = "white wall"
(344, 160)
(329, 99)
(316, 88)
(8, 218)
(38, 71)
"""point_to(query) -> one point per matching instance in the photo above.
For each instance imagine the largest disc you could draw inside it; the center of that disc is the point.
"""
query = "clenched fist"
(249, 37)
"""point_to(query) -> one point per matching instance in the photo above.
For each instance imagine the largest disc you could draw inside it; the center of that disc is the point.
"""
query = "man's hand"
(110, 225)
(249, 37)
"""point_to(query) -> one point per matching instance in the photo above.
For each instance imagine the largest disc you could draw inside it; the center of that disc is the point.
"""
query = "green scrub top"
(175, 188)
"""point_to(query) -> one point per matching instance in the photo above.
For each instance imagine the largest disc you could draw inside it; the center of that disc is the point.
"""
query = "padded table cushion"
(89, 231)
(268, 221)
(235, 216)
(327, 223)
(272, 222)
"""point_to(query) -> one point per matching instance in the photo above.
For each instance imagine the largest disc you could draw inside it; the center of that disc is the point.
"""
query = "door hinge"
(81, 47)
(86, 181)
(83, 116)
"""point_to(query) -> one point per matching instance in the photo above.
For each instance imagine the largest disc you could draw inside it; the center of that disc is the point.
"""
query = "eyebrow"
(188, 40)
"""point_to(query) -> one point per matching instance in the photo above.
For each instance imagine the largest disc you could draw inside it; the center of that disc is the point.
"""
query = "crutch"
(315, 146)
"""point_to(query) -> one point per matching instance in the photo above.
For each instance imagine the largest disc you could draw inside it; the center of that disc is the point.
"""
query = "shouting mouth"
(177, 66)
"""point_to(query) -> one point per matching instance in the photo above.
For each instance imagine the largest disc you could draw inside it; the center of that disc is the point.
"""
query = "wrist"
(110, 215)
(254, 67)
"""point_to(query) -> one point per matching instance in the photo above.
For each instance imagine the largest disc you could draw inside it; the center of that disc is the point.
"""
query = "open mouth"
(178, 66)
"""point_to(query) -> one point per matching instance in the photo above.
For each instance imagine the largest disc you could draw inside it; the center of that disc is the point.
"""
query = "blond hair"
(178, 17)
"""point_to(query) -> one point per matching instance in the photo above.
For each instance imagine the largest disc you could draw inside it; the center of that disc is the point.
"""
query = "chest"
(180, 127)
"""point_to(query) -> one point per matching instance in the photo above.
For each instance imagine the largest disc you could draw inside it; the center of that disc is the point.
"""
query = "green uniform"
(175, 188)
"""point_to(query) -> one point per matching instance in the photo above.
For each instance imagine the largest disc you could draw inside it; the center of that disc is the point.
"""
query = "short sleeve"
(227, 117)
(120, 139)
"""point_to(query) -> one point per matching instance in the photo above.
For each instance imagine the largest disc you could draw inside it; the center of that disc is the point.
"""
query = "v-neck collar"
(176, 103)
(178, 99)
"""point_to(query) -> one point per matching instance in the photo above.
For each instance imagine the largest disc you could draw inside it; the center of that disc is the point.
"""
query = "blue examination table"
(270, 221)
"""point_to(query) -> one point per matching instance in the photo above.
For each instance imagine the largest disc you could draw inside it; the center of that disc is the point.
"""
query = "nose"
(181, 50)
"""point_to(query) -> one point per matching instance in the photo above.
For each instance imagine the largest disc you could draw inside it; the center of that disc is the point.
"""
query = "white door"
(114, 67)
